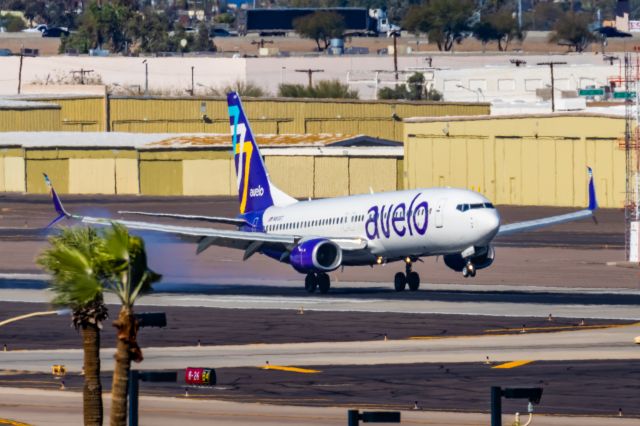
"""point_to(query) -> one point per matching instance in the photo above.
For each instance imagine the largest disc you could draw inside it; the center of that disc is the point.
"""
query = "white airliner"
(318, 236)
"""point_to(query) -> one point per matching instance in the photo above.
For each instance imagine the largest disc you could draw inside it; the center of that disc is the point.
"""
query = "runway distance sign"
(200, 376)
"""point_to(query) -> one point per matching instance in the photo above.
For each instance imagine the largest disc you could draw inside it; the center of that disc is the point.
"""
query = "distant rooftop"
(110, 140)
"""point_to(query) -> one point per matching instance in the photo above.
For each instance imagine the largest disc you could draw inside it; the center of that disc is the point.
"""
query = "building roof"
(9, 104)
(505, 117)
(152, 141)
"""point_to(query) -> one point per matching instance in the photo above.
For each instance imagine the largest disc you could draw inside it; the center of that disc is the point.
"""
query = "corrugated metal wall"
(374, 118)
(187, 172)
(12, 173)
(520, 161)
(82, 114)
(381, 119)
(30, 120)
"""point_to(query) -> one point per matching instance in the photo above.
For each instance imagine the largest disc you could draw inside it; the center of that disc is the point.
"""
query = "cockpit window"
(464, 207)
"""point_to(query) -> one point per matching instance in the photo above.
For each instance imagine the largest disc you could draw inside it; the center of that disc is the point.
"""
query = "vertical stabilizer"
(255, 192)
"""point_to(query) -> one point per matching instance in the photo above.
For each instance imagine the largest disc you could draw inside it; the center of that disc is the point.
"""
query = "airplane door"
(439, 215)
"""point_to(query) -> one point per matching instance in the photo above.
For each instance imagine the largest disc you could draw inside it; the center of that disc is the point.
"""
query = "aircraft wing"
(249, 241)
(531, 225)
(214, 219)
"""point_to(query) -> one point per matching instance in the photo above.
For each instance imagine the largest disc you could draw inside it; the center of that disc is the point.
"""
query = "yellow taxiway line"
(12, 422)
(291, 369)
(513, 364)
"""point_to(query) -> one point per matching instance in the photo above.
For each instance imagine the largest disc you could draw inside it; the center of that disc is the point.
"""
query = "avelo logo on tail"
(256, 192)
(254, 188)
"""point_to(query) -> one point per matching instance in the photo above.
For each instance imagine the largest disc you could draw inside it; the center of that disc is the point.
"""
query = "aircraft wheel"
(310, 283)
(413, 279)
(324, 283)
(469, 270)
(400, 281)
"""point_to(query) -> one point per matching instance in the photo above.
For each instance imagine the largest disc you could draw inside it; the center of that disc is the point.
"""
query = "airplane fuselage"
(395, 225)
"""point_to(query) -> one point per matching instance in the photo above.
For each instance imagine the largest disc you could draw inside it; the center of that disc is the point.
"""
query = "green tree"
(572, 29)
(414, 90)
(543, 16)
(12, 23)
(500, 26)
(77, 265)
(324, 89)
(320, 26)
(131, 279)
(445, 21)
(202, 43)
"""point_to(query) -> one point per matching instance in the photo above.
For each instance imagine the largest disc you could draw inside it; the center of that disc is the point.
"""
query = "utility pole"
(310, 73)
(394, 34)
(146, 77)
(192, 92)
(82, 72)
(553, 97)
(260, 43)
(20, 69)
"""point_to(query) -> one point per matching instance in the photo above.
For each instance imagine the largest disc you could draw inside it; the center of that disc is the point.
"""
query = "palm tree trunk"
(121, 369)
(92, 391)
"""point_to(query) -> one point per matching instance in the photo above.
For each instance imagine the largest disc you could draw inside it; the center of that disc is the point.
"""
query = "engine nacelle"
(482, 259)
(317, 255)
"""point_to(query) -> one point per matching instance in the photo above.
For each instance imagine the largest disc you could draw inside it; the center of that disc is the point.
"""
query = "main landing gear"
(400, 280)
(320, 281)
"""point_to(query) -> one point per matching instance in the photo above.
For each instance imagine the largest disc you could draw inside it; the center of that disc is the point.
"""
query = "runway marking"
(514, 364)
(12, 422)
(291, 369)
(559, 327)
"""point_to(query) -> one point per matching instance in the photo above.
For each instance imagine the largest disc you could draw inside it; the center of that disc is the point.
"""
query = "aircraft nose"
(488, 224)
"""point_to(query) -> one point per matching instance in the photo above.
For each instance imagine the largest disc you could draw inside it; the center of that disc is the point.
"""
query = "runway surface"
(41, 407)
(569, 387)
(611, 343)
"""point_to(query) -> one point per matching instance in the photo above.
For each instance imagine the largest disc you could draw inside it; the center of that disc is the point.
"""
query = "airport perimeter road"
(53, 408)
(611, 343)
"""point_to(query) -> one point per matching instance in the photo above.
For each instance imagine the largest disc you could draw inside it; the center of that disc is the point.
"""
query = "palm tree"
(77, 264)
(131, 278)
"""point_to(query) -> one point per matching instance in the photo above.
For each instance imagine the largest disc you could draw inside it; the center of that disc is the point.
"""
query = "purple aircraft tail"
(254, 188)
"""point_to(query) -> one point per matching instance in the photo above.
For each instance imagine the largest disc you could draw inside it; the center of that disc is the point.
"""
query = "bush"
(413, 90)
(327, 89)
(12, 23)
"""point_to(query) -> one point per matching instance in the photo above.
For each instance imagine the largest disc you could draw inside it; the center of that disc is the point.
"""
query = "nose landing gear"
(412, 278)
(469, 270)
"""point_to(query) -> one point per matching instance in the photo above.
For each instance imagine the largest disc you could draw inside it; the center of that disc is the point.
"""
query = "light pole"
(146, 77)
(192, 88)
(477, 92)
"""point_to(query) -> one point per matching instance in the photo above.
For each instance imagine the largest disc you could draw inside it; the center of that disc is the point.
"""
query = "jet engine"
(482, 259)
(316, 255)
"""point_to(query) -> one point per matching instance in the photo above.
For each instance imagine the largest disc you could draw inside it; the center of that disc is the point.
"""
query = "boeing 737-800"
(319, 236)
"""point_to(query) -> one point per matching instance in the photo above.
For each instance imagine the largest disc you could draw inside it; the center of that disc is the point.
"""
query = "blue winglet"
(57, 204)
(593, 202)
